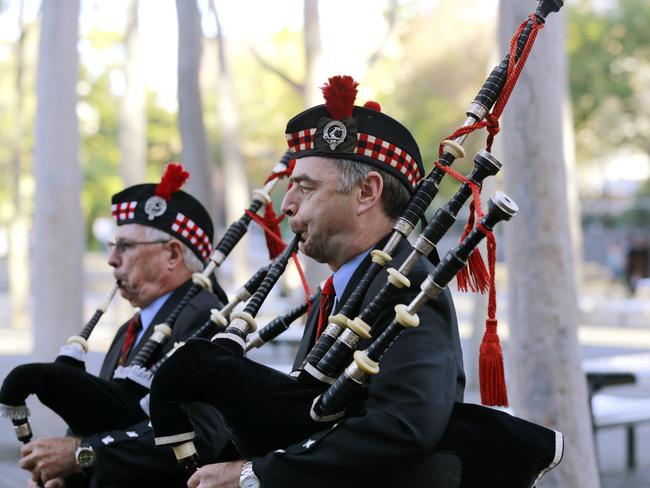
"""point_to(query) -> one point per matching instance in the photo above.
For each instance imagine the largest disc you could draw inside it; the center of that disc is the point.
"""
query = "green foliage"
(432, 84)
(99, 152)
(609, 53)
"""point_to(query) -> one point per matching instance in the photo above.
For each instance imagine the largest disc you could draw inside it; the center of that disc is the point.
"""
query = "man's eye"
(124, 245)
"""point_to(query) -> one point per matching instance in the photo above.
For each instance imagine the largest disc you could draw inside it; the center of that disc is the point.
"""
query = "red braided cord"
(514, 70)
(285, 172)
(473, 276)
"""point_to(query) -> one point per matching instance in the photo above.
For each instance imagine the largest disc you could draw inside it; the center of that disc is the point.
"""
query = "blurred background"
(96, 95)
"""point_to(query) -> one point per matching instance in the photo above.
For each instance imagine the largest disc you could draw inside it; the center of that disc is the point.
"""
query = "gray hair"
(394, 197)
(190, 259)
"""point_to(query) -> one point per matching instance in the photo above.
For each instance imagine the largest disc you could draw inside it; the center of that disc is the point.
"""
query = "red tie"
(326, 301)
(131, 333)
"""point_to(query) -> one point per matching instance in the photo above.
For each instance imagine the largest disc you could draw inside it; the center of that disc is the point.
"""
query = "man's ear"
(371, 188)
(176, 252)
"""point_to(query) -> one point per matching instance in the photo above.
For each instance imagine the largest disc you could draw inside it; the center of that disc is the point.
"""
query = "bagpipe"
(64, 385)
(266, 410)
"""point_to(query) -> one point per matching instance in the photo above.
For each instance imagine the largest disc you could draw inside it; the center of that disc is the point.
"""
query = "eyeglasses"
(123, 246)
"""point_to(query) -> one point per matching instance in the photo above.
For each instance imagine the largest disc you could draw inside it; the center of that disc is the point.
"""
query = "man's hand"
(50, 458)
(221, 475)
(55, 483)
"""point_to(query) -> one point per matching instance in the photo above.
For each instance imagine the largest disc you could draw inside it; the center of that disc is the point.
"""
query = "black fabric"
(72, 393)
(128, 457)
(263, 408)
(508, 451)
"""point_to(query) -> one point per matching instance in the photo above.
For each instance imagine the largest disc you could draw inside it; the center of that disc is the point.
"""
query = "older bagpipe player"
(163, 237)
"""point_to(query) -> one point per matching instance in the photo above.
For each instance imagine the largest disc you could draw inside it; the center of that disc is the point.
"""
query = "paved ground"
(612, 326)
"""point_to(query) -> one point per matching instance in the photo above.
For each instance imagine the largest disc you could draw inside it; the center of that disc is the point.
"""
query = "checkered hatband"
(124, 210)
(187, 228)
(368, 146)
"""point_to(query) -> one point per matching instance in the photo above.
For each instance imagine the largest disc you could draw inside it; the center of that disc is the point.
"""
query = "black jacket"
(409, 402)
(129, 458)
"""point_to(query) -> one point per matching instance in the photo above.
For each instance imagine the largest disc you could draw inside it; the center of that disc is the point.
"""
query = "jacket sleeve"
(129, 457)
(409, 404)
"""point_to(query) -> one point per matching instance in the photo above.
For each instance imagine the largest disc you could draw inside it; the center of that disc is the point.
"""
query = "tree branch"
(392, 22)
(282, 75)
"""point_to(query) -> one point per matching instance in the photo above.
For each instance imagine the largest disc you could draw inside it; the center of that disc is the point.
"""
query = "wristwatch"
(85, 456)
(247, 478)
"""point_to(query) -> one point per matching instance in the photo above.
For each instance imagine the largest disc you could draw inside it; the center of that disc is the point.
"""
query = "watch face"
(251, 482)
(85, 457)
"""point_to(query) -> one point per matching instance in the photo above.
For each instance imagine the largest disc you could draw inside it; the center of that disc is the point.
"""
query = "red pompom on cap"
(172, 180)
(372, 105)
(339, 93)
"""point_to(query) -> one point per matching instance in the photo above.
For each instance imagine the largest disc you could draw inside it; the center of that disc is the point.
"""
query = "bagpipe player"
(163, 236)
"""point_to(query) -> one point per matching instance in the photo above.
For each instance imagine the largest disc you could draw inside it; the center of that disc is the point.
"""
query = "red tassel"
(172, 180)
(340, 92)
(480, 277)
(491, 373)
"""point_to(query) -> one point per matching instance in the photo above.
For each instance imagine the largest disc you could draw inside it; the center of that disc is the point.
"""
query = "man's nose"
(113, 258)
(289, 205)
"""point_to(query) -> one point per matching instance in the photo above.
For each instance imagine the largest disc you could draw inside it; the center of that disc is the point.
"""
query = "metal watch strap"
(247, 473)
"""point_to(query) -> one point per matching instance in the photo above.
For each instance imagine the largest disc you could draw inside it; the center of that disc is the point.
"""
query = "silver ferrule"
(356, 374)
(349, 338)
(240, 324)
(333, 330)
(478, 111)
(431, 288)
(217, 258)
(404, 229)
(23, 430)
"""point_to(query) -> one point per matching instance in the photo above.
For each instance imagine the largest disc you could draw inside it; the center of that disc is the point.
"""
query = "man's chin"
(312, 253)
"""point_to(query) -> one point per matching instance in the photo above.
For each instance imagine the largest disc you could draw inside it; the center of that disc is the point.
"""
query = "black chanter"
(266, 410)
(277, 326)
(66, 388)
(451, 150)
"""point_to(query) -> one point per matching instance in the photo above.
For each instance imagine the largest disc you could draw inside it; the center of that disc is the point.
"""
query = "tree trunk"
(190, 108)
(315, 77)
(18, 259)
(234, 172)
(58, 222)
(133, 109)
(545, 373)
